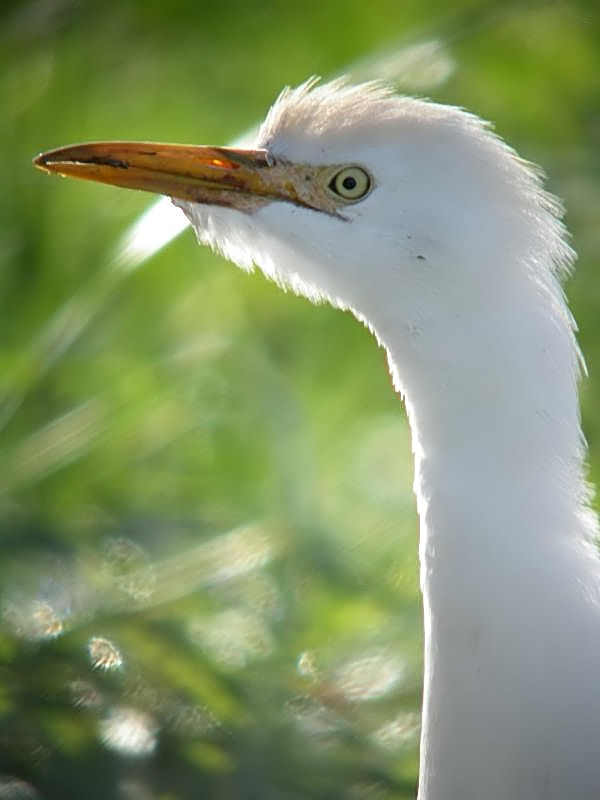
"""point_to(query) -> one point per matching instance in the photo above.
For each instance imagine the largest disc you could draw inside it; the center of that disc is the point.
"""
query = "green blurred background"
(209, 572)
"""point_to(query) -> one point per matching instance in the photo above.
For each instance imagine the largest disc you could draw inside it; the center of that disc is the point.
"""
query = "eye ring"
(350, 184)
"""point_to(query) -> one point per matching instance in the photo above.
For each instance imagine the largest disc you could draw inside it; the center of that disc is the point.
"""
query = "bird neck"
(492, 400)
(505, 547)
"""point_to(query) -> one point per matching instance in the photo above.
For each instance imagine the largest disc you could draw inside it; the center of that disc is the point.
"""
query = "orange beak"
(241, 179)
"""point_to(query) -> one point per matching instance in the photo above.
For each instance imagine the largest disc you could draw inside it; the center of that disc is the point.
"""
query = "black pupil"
(349, 183)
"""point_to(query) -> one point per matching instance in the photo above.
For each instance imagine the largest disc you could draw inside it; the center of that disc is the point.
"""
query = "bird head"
(388, 205)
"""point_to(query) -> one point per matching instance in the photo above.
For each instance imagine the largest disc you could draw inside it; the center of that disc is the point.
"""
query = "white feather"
(454, 260)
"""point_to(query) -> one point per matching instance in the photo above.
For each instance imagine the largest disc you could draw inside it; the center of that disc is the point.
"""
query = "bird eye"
(350, 183)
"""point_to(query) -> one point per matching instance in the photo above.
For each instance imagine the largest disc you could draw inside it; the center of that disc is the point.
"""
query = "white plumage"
(452, 254)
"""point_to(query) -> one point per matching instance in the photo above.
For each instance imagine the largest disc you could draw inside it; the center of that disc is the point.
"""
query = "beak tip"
(42, 161)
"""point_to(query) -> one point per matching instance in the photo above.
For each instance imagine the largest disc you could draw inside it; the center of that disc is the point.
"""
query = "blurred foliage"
(209, 572)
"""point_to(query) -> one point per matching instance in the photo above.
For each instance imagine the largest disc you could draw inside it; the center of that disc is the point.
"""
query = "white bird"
(433, 232)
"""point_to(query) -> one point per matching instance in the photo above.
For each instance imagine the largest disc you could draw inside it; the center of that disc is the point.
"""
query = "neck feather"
(508, 573)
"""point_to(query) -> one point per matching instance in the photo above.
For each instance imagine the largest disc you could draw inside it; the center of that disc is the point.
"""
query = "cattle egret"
(432, 231)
